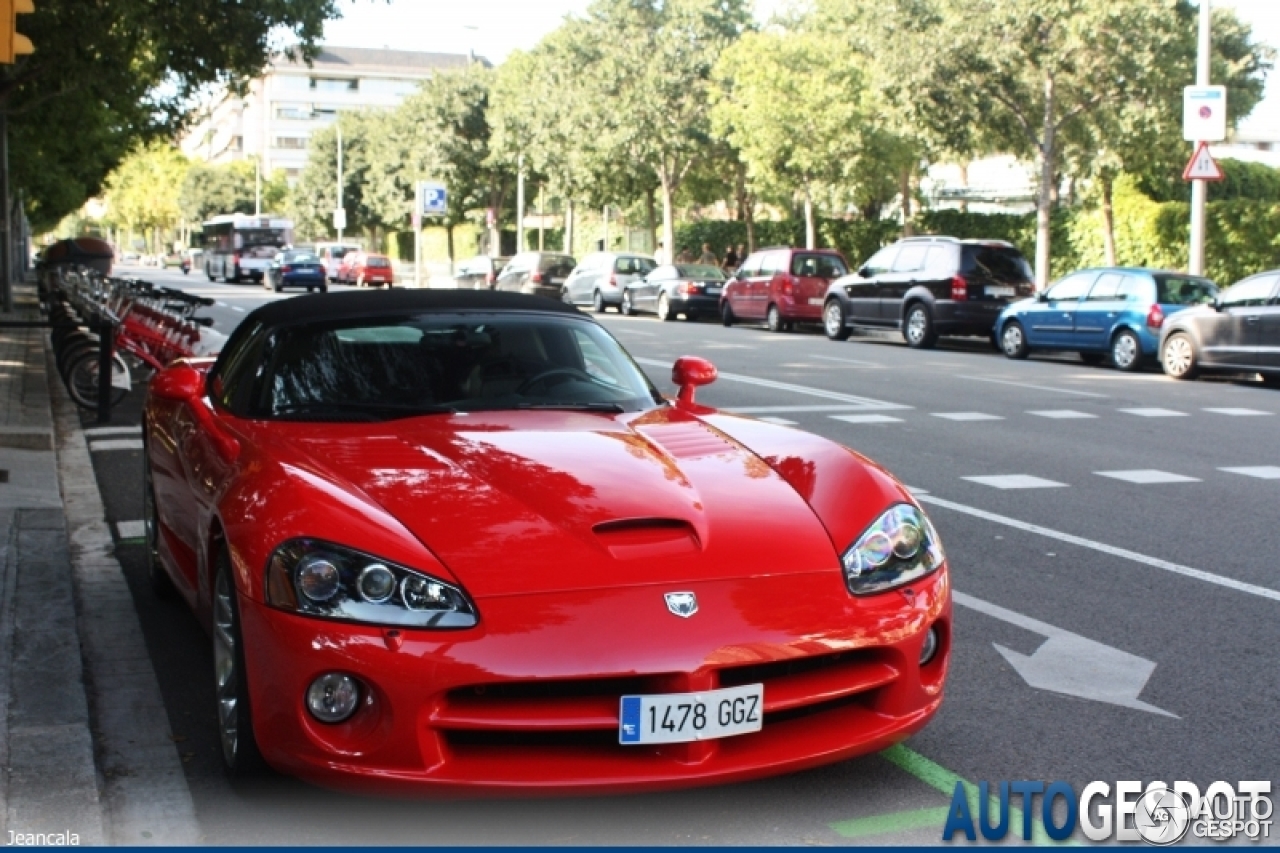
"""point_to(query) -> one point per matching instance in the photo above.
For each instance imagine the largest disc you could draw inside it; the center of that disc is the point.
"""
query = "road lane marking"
(236, 308)
(1061, 414)
(102, 432)
(1239, 413)
(1154, 413)
(1102, 547)
(1262, 472)
(1070, 664)
(1015, 481)
(1146, 476)
(1030, 385)
(778, 421)
(131, 530)
(866, 419)
(966, 416)
(861, 402)
(115, 444)
(638, 332)
(856, 361)
(782, 410)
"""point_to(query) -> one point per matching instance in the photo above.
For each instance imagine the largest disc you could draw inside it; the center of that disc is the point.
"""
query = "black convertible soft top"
(355, 303)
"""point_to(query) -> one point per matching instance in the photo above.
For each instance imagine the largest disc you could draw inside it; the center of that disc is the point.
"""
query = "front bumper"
(527, 702)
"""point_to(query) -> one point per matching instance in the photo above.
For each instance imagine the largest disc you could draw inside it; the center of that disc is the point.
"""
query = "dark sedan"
(1238, 333)
(671, 290)
(296, 268)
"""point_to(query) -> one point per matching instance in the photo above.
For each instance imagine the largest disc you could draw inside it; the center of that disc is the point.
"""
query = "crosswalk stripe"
(115, 444)
(1147, 476)
(1015, 481)
(1262, 472)
(1239, 413)
(1061, 414)
(966, 416)
(866, 419)
(1154, 413)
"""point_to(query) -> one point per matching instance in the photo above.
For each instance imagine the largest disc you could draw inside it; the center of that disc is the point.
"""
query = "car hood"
(515, 503)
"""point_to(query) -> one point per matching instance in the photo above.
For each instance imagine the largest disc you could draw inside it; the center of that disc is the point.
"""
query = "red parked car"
(455, 541)
(781, 286)
(365, 269)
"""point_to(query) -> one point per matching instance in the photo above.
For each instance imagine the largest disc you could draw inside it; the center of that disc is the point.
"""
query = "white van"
(331, 255)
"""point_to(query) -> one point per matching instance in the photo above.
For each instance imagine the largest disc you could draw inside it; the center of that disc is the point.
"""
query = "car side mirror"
(865, 272)
(179, 384)
(689, 373)
(1216, 303)
(1042, 296)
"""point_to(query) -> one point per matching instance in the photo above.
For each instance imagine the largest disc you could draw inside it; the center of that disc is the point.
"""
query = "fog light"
(930, 647)
(333, 698)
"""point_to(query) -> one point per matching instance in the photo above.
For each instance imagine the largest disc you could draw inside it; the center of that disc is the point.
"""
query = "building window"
(290, 81)
(296, 143)
(325, 114)
(332, 84)
(294, 111)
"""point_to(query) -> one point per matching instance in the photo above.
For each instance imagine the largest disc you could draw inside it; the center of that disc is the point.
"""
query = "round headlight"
(376, 583)
(333, 698)
(877, 549)
(318, 579)
(907, 541)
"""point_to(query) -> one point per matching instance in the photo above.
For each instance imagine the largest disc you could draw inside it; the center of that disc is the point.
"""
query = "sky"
(494, 28)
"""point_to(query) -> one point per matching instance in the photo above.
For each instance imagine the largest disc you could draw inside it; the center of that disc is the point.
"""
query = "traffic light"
(13, 43)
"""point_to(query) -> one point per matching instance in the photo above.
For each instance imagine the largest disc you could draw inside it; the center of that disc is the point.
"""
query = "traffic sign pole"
(1200, 189)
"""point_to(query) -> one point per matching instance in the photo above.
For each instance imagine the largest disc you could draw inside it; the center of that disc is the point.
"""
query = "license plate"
(555, 281)
(684, 717)
(1000, 291)
(713, 291)
(815, 301)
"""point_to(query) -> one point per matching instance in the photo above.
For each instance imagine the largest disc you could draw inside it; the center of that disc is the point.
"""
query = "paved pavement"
(1110, 536)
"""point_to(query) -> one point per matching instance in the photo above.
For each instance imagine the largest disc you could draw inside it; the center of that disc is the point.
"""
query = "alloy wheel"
(225, 633)
(1179, 357)
(1125, 351)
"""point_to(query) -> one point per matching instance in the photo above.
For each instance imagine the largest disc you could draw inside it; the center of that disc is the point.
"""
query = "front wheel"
(665, 313)
(726, 314)
(918, 329)
(235, 725)
(1126, 351)
(1013, 341)
(1178, 358)
(627, 308)
(773, 320)
(833, 321)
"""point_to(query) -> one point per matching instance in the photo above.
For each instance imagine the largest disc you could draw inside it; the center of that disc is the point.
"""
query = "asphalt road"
(1111, 538)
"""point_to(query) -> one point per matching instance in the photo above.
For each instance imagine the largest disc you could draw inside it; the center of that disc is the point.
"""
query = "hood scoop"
(687, 440)
(647, 538)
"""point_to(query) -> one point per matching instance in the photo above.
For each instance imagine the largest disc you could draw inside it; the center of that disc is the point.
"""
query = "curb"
(144, 794)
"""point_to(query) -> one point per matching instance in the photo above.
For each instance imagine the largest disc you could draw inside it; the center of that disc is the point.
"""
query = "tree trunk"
(810, 235)
(1108, 221)
(907, 228)
(649, 217)
(964, 181)
(668, 214)
(448, 230)
(1044, 204)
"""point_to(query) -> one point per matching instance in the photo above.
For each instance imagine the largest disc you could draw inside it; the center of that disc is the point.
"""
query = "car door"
(1267, 339)
(513, 276)
(863, 293)
(1233, 334)
(581, 281)
(893, 286)
(737, 292)
(1050, 320)
(651, 285)
(772, 267)
(812, 272)
(1098, 312)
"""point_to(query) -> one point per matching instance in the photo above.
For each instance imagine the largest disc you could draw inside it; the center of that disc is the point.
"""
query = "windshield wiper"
(596, 406)
(372, 410)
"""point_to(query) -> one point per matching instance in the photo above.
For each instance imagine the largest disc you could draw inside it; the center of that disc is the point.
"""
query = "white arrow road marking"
(1070, 664)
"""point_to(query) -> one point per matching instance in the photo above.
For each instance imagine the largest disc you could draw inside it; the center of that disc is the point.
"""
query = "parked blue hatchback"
(1111, 311)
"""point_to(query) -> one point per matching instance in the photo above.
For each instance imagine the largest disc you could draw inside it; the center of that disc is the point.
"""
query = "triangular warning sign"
(1202, 166)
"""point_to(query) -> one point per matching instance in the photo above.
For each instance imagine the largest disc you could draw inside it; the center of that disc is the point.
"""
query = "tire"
(240, 754)
(276, 287)
(833, 321)
(1271, 380)
(626, 308)
(918, 327)
(1126, 351)
(1093, 359)
(665, 314)
(161, 584)
(1013, 341)
(82, 381)
(773, 320)
(597, 302)
(324, 288)
(1178, 357)
(360, 281)
(726, 314)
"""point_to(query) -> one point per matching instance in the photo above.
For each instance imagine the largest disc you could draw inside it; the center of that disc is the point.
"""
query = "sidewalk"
(84, 747)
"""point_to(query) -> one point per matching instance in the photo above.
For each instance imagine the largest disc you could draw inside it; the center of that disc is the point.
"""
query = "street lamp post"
(342, 221)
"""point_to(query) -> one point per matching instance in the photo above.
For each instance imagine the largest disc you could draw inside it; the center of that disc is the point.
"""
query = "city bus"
(238, 247)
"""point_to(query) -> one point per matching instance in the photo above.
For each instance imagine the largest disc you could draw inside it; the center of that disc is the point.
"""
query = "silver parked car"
(601, 277)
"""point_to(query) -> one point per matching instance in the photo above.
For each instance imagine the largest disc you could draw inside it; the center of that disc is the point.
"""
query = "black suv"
(928, 286)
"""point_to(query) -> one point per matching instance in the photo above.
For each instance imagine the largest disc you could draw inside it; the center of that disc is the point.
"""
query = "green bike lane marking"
(944, 781)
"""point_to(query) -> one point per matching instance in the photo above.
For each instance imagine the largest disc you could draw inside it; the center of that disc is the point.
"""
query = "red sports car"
(455, 541)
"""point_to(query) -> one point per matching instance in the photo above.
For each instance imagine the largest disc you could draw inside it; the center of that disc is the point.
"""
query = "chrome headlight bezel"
(416, 599)
(898, 548)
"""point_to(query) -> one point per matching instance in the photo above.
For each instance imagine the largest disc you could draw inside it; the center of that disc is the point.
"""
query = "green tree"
(142, 193)
(112, 74)
(211, 189)
(315, 196)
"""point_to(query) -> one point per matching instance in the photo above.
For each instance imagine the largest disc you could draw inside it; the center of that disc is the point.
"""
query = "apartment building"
(274, 120)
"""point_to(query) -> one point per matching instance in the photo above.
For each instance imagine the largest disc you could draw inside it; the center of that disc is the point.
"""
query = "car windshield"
(300, 258)
(1183, 290)
(702, 271)
(378, 261)
(402, 367)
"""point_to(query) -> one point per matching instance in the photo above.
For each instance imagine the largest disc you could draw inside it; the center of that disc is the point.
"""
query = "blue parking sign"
(433, 199)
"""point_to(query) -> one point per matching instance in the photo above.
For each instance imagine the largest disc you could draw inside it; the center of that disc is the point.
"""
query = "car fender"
(919, 293)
